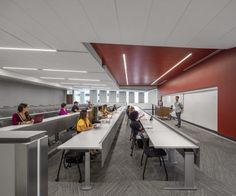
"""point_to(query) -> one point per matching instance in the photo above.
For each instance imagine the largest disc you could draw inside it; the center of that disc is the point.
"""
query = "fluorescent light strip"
(172, 68)
(94, 84)
(20, 68)
(125, 67)
(75, 79)
(70, 83)
(52, 78)
(28, 49)
(65, 70)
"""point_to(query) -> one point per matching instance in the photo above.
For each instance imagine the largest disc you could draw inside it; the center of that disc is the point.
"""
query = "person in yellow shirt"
(83, 123)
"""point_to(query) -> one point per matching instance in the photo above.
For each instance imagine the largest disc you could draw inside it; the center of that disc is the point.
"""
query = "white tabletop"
(162, 136)
(93, 138)
(14, 127)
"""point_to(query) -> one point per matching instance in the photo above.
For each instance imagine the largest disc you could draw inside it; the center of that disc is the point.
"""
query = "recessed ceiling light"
(172, 68)
(52, 78)
(125, 67)
(79, 79)
(65, 70)
(28, 49)
(20, 68)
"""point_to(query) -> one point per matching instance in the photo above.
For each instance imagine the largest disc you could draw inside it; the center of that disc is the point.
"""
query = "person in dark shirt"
(75, 107)
(135, 124)
(136, 129)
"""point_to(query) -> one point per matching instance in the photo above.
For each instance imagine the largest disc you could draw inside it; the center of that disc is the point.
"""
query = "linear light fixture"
(65, 70)
(52, 78)
(28, 49)
(172, 68)
(94, 84)
(79, 79)
(20, 68)
(125, 67)
(70, 83)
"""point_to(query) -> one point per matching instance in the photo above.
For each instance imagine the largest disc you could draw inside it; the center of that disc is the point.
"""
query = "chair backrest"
(145, 141)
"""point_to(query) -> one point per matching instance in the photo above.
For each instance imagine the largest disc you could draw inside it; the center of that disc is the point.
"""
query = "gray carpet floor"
(122, 174)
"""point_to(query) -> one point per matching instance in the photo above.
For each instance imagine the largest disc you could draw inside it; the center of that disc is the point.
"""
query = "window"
(117, 96)
(136, 97)
(146, 97)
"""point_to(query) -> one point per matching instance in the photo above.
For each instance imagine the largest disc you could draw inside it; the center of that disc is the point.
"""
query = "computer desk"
(165, 137)
(95, 139)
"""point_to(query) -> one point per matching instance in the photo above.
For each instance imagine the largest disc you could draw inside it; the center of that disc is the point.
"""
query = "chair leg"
(142, 159)
(59, 169)
(165, 168)
(160, 161)
(80, 175)
(145, 164)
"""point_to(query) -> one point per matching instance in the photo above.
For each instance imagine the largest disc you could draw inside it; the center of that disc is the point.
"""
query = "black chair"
(69, 157)
(152, 152)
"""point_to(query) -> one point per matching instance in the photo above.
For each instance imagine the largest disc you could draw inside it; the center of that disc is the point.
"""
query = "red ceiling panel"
(146, 63)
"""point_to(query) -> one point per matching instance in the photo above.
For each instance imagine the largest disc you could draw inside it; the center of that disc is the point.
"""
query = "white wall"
(14, 92)
(152, 97)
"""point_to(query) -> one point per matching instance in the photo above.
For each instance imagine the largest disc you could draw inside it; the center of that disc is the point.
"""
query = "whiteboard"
(200, 107)
(169, 100)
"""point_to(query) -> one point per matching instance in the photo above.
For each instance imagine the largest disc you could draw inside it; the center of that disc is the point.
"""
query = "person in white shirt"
(100, 114)
(178, 109)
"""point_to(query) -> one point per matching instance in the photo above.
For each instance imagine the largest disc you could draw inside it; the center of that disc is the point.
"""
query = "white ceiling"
(66, 24)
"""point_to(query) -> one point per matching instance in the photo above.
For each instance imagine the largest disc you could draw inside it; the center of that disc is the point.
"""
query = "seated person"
(100, 113)
(135, 124)
(75, 107)
(83, 123)
(131, 109)
(22, 116)
(114, 108)
(127, 111)
(63, 110)
(90, 105)
(105, 111)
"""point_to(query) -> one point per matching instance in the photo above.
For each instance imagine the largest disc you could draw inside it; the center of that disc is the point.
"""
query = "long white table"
(52, 125)
(100, 139)
(165, 137)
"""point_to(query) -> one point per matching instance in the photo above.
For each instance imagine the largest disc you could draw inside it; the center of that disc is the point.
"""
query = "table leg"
(87, 186)
(171, 156)
(189, 177)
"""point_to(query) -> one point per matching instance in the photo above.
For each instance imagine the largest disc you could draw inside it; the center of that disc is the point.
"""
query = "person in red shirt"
(22, 116)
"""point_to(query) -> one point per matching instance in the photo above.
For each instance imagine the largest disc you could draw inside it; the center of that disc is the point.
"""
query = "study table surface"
(166, 137)
(99, 138)
(52, 125)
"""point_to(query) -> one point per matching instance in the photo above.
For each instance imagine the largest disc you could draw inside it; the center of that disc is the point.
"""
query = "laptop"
(38, 118)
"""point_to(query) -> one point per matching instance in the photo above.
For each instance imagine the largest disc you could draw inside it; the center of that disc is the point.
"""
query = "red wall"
(220, 71)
